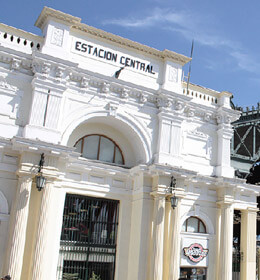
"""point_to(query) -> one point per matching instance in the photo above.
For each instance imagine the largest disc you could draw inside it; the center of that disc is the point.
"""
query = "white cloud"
(191, 26)
(245, 61)
(161, 16)
(187, 24)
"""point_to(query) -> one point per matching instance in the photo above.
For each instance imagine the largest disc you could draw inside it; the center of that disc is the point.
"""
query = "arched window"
(101, 148)
(194, 224)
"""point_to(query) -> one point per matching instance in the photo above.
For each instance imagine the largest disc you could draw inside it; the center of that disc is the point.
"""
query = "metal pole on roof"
(191, 53)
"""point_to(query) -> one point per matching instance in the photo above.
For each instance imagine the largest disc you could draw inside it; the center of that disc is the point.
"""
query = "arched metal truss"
(245, 145)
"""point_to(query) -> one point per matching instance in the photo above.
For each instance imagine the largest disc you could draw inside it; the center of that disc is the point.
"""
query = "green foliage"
(70, 276)
(95, 276)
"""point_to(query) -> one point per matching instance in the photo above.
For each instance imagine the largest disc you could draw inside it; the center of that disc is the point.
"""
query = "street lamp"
(40, 179)
(174, 199)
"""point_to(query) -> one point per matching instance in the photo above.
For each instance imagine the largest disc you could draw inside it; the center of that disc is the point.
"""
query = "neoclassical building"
(112, 167)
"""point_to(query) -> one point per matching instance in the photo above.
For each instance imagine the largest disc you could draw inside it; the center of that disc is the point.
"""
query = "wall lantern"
(174, 199)
(40, 179)
(174, 202)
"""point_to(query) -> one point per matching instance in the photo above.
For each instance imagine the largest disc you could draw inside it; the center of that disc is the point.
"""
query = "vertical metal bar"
(254, 142)
(98, 147)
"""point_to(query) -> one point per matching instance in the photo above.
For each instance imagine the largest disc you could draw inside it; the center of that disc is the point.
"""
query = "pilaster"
(175, 237)
(40, 270)
(158, 235)
(167, 237)
(17, 232)
(248, 243)
(226, 239)
(141, 217)
(224, 134)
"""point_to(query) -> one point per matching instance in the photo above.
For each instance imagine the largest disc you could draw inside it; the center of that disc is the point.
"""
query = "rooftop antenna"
(191, 53)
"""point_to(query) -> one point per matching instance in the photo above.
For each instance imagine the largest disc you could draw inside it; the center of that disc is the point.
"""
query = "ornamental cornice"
(114, 39)
(226, 115)
(82, 81)
(58, 15)
(75, 23)
(80, 164)
(16, 61)
(22, 144)
(167, 170)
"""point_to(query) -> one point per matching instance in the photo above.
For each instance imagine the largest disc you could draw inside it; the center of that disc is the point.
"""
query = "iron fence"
(236, 261)
(88, 239)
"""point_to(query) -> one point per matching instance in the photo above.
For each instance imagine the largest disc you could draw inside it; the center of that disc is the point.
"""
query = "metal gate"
(88, 239)
(257, 263)
(236, 261)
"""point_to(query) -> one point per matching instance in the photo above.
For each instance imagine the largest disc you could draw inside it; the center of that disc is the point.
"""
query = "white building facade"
(120, 135)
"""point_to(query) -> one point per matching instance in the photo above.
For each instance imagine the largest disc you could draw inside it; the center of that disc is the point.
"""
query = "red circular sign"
(195, 252)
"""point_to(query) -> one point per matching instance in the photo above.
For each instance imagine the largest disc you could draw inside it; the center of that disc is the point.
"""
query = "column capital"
(159, 194)
(22, 177)
(250, 210)
(226, 201)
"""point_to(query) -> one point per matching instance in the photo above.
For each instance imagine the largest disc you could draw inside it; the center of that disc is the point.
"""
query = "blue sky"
(226, 34)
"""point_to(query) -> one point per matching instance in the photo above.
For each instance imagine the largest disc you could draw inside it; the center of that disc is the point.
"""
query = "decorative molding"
(160, 102)
(84, 82)
(104, 88)
(179, 105)
(112, 108)
(197, 134)
(51, 13)
(125, 93)
(59, 72)
(190, 112)
(207, 117)
(173, 74)
(57, 37)
(46, 68)
(142, 98)
(15, 64)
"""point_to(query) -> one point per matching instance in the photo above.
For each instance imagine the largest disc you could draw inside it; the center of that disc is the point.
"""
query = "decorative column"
(248, 243)
(167, 236)
(175, 238)
(226, 241)
(158, 235)
(40, 261)
(218, 240)
(17, 234)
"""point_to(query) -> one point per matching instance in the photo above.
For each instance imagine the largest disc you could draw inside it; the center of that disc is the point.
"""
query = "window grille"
(88, 238)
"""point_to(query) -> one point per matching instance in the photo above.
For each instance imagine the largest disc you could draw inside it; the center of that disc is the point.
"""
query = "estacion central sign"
(88, 49)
